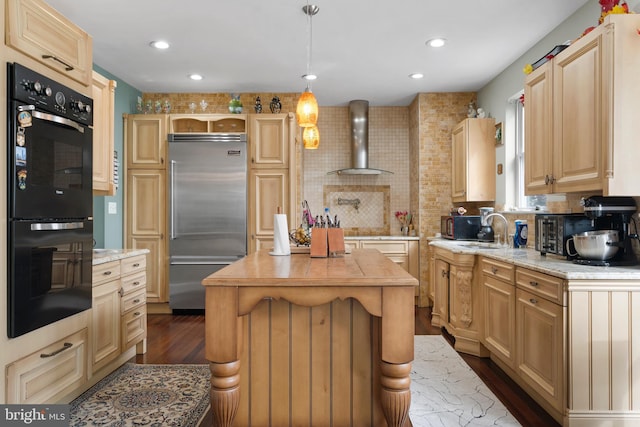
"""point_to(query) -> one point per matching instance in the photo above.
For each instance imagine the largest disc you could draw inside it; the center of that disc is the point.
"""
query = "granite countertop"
(549, 264)
(101, 256)
(381, 238)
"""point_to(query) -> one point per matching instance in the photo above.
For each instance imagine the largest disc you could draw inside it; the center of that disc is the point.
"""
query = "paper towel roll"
(280, 235)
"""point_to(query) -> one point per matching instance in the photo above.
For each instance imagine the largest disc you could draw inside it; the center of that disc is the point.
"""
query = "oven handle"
(52, 118)
(47, 226)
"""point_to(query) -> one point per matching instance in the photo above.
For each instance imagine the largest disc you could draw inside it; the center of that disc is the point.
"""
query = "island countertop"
(320, 341)
(363, 267)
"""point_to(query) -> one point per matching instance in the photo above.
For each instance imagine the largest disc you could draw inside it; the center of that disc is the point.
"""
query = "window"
(517, 116)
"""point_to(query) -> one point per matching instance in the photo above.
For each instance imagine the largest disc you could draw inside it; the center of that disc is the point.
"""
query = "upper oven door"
(50, 165)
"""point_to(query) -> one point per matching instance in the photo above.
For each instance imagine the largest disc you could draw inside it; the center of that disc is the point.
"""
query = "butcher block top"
(363, 267)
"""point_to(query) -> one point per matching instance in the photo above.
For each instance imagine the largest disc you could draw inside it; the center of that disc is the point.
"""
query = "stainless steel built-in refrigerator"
(207, 211)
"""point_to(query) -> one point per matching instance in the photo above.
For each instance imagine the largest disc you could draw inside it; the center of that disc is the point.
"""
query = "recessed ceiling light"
(437, 42)
(309, 76)
(159, 44)
(195, 76)
(416, 75)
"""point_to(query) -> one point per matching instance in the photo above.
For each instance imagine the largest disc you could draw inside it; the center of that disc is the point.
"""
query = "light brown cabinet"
(499, 309)
(208, 123)
(540, 334)
(579, 109)
(146, 197)
(473, 156)
(458, 304)
(49, 373)
(105, 326)
(272, 181)
(30, 26)
(119, 311)
(103, 132)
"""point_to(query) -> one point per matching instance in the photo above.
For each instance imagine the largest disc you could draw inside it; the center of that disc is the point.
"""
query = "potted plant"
(235, 105)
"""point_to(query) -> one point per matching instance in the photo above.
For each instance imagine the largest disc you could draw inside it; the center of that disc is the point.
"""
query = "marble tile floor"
(445, 392)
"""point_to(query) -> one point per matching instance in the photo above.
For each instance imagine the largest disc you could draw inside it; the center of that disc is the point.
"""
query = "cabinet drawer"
(540, 284)
(387, 247)
(134, 327)
(134, 264)
(105, 272)
(50, 373)
(134, 282)
(133, 300)
(499, 270)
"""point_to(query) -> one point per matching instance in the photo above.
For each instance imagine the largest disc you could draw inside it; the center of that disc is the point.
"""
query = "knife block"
(319, 246)
(335, 240)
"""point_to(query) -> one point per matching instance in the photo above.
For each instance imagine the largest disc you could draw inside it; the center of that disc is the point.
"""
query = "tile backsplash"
(363, 210)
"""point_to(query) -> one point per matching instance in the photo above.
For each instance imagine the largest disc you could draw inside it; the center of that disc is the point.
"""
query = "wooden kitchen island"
(295, 340)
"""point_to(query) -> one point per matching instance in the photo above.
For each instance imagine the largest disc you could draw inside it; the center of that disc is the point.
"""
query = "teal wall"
(107, 228)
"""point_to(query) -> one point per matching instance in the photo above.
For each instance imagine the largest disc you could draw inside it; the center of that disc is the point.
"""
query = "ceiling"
(360, 50)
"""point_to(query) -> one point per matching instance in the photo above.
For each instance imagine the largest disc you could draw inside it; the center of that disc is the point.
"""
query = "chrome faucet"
(506, 224)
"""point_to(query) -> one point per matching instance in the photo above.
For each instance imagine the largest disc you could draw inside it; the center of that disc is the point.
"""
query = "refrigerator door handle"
(172, 210)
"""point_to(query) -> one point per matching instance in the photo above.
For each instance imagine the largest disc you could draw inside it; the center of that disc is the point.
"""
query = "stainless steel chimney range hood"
(359, 120)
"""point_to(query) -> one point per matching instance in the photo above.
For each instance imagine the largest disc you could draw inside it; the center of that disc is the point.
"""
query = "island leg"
(225, 392)
(396, 393)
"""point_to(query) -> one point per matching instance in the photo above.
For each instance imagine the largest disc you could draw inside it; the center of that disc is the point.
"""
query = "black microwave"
(460, 227)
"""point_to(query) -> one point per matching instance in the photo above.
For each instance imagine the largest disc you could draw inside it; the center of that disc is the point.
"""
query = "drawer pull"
(107, 273)
(137, 300)
(532, 283)
(137, 313)
(67, 67)
(60, 350)
(137, 264)
(494, 270)
(533, 300)
(136, 283)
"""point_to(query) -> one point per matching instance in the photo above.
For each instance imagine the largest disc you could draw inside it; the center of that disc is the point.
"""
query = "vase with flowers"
(404, 218)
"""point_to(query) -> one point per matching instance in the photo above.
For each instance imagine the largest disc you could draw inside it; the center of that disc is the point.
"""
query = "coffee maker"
(613, 213)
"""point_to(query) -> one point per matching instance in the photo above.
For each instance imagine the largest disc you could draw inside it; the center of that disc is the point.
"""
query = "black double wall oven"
(50, 201)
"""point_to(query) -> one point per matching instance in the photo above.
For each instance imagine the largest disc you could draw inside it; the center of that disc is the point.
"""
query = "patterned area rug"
(145, 395)
(446, 392)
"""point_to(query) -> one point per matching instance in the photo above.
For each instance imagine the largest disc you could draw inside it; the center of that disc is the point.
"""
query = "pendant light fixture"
(307, 108)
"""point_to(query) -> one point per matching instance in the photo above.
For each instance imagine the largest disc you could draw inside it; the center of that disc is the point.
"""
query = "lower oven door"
(49, 272)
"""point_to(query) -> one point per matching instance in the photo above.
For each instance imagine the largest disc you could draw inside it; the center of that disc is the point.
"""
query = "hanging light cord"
(309, 13)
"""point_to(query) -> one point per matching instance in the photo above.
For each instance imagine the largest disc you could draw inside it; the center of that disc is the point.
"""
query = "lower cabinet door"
(134, 326)
(499, 319)
(540, 351)
(105, 337)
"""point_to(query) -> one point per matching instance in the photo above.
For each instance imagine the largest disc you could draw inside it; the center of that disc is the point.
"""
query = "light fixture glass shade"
(307, 109)
(311, 137)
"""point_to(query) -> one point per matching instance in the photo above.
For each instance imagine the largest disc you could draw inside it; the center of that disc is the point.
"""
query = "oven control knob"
(80, 107)
(47, 91)
(33, 86)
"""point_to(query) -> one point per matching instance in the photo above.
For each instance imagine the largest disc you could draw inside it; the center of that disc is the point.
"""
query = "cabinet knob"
(533, 300)
(120, 291)
(532, 283)
(107, 273)
(494, 270)
(136, 283)
(135, 301)
(136, 265)
(137, 313)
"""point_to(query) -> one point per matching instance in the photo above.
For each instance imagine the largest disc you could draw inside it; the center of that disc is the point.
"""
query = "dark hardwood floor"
(180, 339)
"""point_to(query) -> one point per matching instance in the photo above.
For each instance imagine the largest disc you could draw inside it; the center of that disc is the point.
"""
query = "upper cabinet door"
(473, 154)
(538, 128)
(103, 143)
(146, 141)
(269, 140)
(578, 112)
(39, 31)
